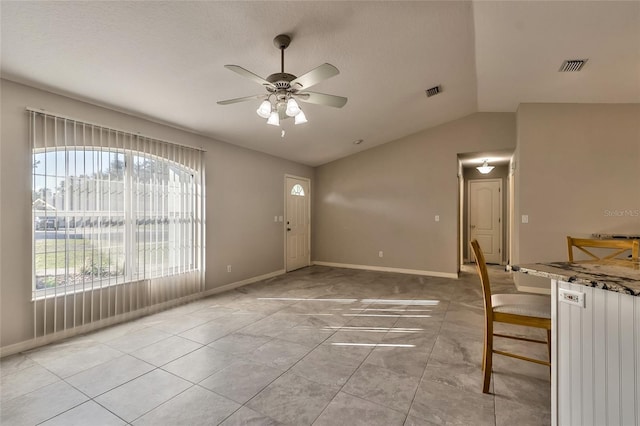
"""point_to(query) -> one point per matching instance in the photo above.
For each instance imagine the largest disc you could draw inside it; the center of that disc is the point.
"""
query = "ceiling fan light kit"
(274, 119)
(300, 118)
(293, 108)
(264, 110)
(283, 89)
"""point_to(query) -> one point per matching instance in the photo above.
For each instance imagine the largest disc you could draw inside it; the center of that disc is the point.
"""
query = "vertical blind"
(118, 221)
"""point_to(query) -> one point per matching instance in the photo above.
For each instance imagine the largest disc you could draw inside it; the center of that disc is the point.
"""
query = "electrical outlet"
(571, 297)
(280, 218)
(525, 218)
(437, 218)
(380, 253)
(228, 268)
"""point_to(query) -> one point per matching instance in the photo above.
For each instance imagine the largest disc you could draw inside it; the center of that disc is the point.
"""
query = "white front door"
(485, 222)
(297, 223)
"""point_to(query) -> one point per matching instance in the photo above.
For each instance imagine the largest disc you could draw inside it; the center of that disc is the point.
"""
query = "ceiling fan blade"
(248, 74)
(314, 76)
(322, 99)
(246, 98)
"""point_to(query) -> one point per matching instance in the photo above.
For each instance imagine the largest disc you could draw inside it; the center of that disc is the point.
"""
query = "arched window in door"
(297, 190)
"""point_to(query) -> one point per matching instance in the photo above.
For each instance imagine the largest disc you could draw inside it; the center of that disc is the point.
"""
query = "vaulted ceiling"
(165, 61)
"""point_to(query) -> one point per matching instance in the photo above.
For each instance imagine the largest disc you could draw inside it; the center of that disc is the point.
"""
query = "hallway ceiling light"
(485, 168)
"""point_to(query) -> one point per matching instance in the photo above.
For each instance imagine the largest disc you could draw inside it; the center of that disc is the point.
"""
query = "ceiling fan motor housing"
(280, 80)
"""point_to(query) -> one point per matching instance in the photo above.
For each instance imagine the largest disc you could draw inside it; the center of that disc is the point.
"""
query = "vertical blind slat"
(32, 135)
(46, 198)
(75, 161)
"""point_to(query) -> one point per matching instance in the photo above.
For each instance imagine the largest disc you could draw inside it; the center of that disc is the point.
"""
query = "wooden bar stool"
(521, 309)
(614, 249)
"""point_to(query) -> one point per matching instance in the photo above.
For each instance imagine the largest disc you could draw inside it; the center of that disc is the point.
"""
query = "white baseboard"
(388, 269)
(503, 263)
(65, 334)
(237, 284)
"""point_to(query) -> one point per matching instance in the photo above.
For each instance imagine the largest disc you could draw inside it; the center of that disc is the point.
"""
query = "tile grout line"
(297, 362)
(427, 363)
(351, 375)
(276, 378)
(354, 372)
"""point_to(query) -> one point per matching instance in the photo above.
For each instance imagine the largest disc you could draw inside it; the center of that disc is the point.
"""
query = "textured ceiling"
(164, 60)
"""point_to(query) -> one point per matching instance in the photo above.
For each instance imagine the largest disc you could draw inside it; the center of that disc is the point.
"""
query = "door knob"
(473, 226)
(288, 229)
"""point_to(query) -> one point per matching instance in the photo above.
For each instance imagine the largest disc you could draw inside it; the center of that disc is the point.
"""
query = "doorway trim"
(284, 223)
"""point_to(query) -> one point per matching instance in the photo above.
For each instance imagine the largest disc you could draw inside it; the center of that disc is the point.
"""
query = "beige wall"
(386, 198)
(244, 193)
(577, 172)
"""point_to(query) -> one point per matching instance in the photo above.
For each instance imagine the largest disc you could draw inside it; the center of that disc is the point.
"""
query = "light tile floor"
(321, 346)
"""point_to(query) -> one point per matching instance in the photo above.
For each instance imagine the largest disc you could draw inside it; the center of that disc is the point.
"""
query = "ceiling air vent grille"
(433, 91)
(572, 65)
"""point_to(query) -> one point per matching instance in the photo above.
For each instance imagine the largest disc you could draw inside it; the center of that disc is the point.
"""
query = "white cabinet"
(595, 358)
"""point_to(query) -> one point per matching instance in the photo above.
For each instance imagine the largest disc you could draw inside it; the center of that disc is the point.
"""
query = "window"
(297, 190)
(111, 207)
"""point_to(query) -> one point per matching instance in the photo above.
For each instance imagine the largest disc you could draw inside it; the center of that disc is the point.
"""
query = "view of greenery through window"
(103, 217)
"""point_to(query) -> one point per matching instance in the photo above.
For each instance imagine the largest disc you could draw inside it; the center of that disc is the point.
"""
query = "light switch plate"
(525, 218)
(571, 297)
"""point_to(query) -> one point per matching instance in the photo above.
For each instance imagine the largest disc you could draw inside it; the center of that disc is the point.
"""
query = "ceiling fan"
(283, 89)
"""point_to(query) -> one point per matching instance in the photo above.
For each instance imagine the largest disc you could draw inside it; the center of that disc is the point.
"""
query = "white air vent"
(572, 65)
(433, 91)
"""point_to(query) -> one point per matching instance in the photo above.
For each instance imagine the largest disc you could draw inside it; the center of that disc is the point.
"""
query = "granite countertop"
(616, 236)
(606, 276)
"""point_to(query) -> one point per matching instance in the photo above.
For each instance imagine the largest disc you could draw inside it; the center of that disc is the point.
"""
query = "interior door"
(297, 229)
(485, 222)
